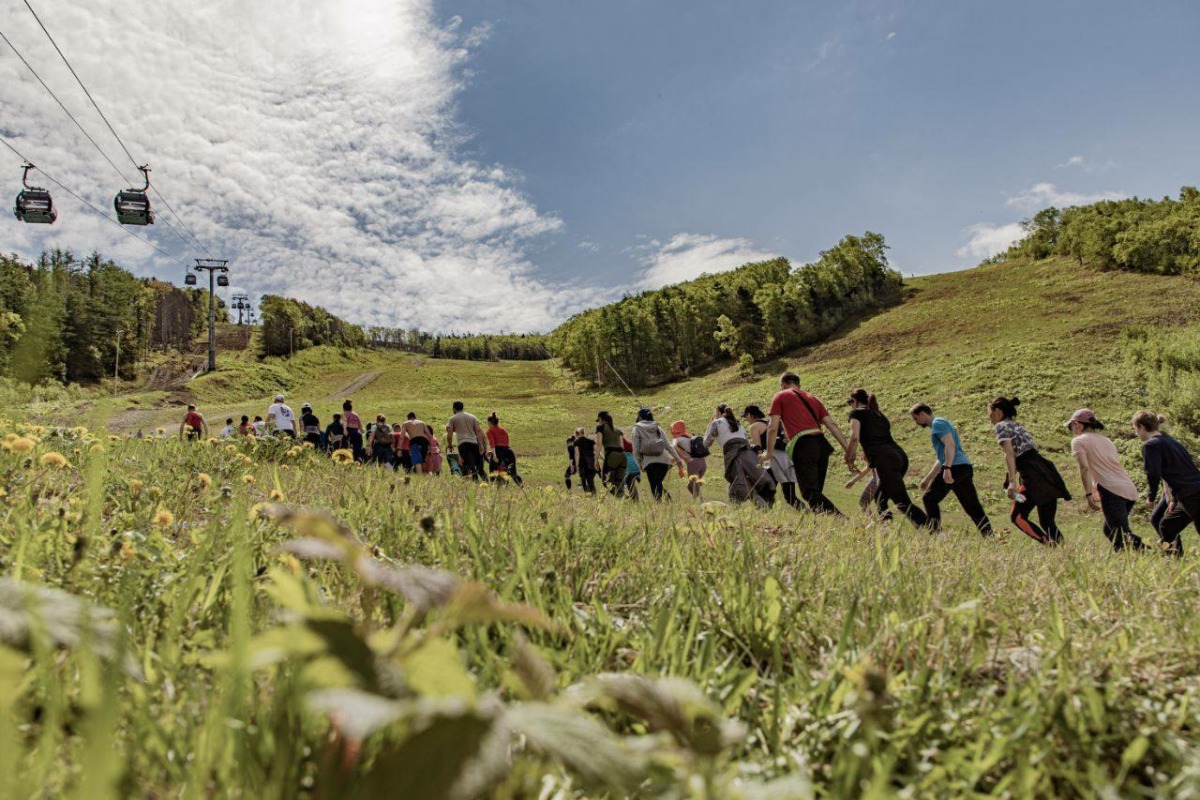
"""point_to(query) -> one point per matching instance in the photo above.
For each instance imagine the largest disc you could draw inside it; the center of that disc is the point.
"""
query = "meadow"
(236, 619)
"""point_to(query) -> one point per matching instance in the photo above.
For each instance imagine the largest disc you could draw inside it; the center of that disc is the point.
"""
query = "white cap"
(278, 398)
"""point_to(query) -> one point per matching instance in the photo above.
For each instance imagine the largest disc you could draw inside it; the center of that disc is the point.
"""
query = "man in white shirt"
(281, 416)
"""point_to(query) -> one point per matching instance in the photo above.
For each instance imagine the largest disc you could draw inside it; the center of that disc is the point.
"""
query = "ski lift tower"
(218, 273)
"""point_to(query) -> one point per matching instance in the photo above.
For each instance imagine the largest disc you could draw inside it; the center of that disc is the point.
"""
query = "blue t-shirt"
(939, 429)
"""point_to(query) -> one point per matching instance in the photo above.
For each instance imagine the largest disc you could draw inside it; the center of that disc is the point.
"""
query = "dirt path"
(366, 379)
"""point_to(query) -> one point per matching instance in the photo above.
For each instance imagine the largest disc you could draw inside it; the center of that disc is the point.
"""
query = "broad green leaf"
(581, 743)
(435, 669)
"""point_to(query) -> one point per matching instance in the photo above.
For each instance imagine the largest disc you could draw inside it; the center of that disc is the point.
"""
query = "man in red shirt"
(802, 416)
(193, 425)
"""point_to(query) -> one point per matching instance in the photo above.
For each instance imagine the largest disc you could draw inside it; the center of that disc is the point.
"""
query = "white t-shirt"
(228, 432)
(719, 429)
(284, 418)
(259, 426)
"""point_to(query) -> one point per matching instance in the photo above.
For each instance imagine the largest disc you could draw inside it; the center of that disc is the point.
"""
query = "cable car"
(132, 205)
(222, 280)
(34, 203)
(190, 279)
(220, 303)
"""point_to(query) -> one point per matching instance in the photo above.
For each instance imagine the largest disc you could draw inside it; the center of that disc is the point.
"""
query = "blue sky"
(472, 165)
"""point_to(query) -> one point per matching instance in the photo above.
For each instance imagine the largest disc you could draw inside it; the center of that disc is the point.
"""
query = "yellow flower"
(205, 479)
(291, 562)
(211, 440)
(276, 496)
(161, 431)
(79, 430)
(261, 511)
(155, 492)
(22, 444)
(96, 449)
(112, 437)
(127, 551)
(248, 479)
(163, 518)
(293, 451)
(284, 468)
(231, 448)
(343, 456)
(247, 460)
(53, 459)
(135, 487)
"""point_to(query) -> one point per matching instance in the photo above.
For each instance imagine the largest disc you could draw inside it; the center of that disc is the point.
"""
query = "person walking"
(194, 426)
(746, 475)
(380, 442)
(247, 427)
(472, 442)
(610, 455)
(870, 428)
(571, 469)
(758, 425)
(282, 418)
(952, 471)
(354, 430)
(335, 434)
(1168, 463)
(229, 431)
(697, 462)
(433, 462)
(801, 416)
(400, 448)
(310, 424)
(653, 451)
(260, 426)
(419, 435)
(1032, 480)
(585, 460)
(1106, 484)
(497, 437)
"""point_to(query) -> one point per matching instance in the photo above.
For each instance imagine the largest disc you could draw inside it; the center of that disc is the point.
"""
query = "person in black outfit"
(585, 460)
(570, 461)
(1168, 462)
(872, 429)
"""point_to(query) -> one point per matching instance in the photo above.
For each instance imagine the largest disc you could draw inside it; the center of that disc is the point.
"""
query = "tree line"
(748, 315)
(63, 319)
(289, 326)
(1154, 236)
(466, 347)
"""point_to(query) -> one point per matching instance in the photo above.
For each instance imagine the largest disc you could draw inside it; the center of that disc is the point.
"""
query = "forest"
(289, 326)
(748, 315)
(62, 319)
(464, 347)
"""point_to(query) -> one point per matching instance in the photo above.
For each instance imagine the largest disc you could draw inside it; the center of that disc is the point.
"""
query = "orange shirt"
(497, 436)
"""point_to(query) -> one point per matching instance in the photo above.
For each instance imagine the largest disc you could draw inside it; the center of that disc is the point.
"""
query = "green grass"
(855, 658)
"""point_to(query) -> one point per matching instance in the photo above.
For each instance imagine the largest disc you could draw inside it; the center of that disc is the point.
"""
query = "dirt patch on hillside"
(366, 379)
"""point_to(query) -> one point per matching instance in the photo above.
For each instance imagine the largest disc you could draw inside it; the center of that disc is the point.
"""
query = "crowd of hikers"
(787, 451)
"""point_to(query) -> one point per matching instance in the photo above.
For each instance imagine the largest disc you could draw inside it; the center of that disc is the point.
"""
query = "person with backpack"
(311, 425)
(1106, 485)
(1168, 463)
(870, 428)
(335, 434)
(780, 464)
(1032, 480)
(802, 416)
(585, 460)
(380, 442)
(610, 455)
(951, 472)
(746, 475)
(354, 429)
(653, 451)
(695, 453)
(497, 437)
(194, 426)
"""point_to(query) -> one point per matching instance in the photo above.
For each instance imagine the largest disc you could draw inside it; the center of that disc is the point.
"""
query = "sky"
(473, 165)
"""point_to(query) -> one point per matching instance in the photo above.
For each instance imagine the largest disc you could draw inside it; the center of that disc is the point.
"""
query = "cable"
(62, 186)
(111, 130)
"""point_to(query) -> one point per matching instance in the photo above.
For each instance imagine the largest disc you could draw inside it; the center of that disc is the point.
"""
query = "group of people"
(787, 450)
(410, 445)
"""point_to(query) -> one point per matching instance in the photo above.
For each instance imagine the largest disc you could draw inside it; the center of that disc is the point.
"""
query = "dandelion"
(79, 430)
(212, 440)
(291, 562)
(260, 511)
(161, 431)
(53, 459)
(205, 479)
(135, 487)
(284, 468)
(247, 460)
(342, 456)
(112, 437)
(163, 518)
(276, 496)
(154, 492)
(247, 479)
(293, 451)
(22, 444)
(231, 448)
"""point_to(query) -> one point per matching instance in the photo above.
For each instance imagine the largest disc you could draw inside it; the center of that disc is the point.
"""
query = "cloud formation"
(1042, 195)
(986, 240)
(689, 255)
(317, 150)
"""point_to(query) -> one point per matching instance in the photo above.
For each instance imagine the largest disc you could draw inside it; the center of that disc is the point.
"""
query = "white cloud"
(891, 35)
(986, 240)
(588, 245)
(314, 145)
(1042, 195)
(690, 255)
(1085, 164)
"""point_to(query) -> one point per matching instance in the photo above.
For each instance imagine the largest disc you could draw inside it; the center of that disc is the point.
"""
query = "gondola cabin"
(133, 208)
(34, 204)
(222, 280)
(189, 279)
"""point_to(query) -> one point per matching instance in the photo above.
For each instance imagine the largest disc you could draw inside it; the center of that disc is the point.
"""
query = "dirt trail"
(366, 379)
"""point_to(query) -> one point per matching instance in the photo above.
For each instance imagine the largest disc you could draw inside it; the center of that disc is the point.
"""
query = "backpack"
(657, 446)
(697, 448)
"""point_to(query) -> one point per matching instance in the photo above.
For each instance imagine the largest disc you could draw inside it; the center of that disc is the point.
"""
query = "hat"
(679, 428)
(278, 398)
(306, 405)
(1087, 417)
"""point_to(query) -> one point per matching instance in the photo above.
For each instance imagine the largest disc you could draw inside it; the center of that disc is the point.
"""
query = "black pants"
(587, 475)
(567, 473)
(383, 454)
(356, 442)
(508, 459)
(891, 466)
(1116, 521)
(810, 457)
(964, 489)
(1047, 532)
(1187, 512)
(656, 474)
(469, 460)
(1157, 515)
